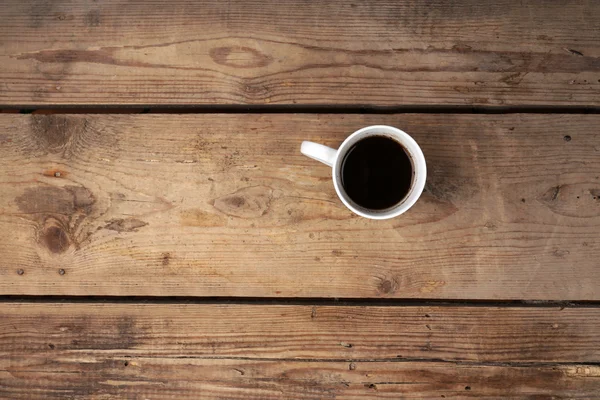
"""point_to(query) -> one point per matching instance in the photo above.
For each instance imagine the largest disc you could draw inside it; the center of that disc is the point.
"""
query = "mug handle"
(319, 152)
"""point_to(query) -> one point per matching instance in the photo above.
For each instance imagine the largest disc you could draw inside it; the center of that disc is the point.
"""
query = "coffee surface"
(377, 173)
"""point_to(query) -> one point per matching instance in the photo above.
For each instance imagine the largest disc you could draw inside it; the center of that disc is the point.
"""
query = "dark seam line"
(300, 109)
(527, 364)
(300, 301)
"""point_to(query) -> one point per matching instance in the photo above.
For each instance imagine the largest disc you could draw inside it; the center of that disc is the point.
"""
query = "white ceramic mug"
(334, 159)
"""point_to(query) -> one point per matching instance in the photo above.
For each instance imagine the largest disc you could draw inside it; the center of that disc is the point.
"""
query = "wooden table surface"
(162, 237)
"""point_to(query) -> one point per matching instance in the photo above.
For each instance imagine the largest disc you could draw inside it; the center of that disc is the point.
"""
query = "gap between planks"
(300, 301)
(297, 109)
(513, 364)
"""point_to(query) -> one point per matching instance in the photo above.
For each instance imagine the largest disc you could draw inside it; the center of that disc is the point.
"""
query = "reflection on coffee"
(377, 173)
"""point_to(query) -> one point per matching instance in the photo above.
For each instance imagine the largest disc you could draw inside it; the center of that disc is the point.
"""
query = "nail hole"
(61, 271)
(51, 346)
(467, 387)
(427, 316)
(567, 138)
(126, 363)
(20, 271)
(522, 200)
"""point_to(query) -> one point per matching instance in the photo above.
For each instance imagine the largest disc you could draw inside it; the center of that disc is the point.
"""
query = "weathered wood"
(243, 351)
(382, 52)
(225, 205)
(111, 377)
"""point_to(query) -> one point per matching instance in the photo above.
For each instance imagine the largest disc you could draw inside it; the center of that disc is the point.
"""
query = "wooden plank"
(381, 52)
(225, 205)
(111, 377)
(255, 351)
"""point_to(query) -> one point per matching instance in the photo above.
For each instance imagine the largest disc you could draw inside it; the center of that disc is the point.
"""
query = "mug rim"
(417, 159)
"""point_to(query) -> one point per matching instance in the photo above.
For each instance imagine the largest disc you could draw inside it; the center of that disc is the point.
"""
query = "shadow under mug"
(334, 158)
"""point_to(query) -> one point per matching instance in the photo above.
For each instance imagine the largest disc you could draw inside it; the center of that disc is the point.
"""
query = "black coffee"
(377, 173)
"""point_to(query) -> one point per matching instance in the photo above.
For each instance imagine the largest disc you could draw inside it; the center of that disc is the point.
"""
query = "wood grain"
(225, 205)
(107, 351)
(380, 52)
(111, 377)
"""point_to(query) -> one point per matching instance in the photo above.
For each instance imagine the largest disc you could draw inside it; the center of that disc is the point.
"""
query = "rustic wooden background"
(161, 236)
